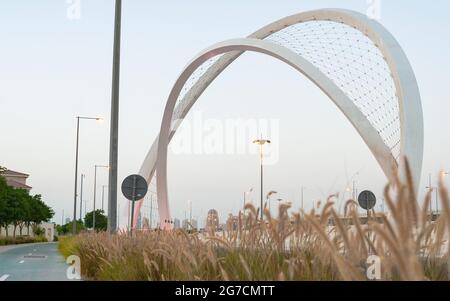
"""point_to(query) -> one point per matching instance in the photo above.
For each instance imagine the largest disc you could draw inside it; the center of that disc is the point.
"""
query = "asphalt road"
(33, 262)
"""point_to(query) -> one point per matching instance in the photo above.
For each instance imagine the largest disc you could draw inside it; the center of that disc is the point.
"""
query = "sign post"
(134, 188)
(367, 200)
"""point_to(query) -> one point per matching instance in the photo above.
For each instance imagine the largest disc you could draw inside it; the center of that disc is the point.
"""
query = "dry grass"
(299, 247)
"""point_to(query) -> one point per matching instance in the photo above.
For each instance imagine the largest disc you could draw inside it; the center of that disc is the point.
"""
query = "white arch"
(411, 120)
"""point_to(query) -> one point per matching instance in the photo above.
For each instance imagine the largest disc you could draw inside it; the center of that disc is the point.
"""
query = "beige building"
(49, 229)
(16, 179)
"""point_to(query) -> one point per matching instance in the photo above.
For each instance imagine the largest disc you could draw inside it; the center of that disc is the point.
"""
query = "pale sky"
(53, 68)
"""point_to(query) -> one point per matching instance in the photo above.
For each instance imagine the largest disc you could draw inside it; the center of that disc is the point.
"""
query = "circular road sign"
(134, 187)
(367, 200)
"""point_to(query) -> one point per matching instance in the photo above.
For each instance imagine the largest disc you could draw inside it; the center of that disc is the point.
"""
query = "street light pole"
(85, 207)
(114, 135)
(430, 188)
(74, 226)
(303, 188)
(268, 199)
(103, 197)
(81, 195)
(246, 193)
(95, 192)
(279, 201)
(261, 142)
(190, 213)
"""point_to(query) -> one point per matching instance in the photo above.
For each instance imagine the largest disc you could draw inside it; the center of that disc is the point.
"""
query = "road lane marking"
(4, 277)
(22, 261)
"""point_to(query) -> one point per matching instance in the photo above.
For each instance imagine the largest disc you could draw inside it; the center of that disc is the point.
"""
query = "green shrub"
(4, 241)
(67, 245)
(38, 231)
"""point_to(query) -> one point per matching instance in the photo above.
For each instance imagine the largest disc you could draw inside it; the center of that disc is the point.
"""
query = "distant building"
(194, 224)
(189, 224)
(185, 224)
(16, 179)
(49, 231)
(68, 220)
(176, 223)
(233, 222)
(212, 220)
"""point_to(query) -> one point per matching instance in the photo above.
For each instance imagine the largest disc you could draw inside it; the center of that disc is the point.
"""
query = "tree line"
(101, 223)
(20, 209)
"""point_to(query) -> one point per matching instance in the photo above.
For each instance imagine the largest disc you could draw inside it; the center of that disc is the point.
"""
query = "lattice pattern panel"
(149, 216)
(188, 86)
(355, 64)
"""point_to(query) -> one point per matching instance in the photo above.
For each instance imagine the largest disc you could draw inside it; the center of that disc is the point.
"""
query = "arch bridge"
(354, 60)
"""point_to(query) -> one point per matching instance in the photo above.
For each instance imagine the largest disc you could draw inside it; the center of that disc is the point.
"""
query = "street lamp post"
(246, 193)
(430, 188)
(85, 207)
(74, 226)
(190, 212)
(114, 134)
(81, 195)
(354, 189)
(268, 199)
(279, 203)
(95, 192)
(261, 142)
(103, 197)
(302, 195)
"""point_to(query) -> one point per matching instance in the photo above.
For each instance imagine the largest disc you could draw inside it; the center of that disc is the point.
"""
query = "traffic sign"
(367, 200)
(134, 187)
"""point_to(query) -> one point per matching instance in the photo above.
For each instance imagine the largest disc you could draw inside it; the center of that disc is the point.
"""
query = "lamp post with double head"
(98, 119)
(261, 142)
